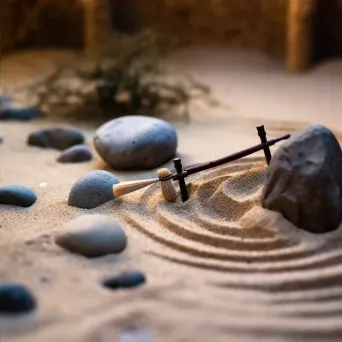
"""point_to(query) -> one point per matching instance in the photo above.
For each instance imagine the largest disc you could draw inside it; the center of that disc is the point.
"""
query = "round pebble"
(124, 280)
(92, 236)
(19, 114)
(92, 190)
(75, 154)
(136, 142)
(15, 299)
(59, 138)
(5, 101)
(18, 195)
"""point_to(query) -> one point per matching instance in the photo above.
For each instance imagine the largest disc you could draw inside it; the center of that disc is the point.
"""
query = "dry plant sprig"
(127, 79)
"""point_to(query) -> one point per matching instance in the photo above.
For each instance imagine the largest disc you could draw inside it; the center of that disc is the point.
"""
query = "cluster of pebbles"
(128, 143)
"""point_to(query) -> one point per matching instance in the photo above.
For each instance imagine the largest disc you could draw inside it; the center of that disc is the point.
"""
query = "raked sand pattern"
(219, 268)
(271, 277)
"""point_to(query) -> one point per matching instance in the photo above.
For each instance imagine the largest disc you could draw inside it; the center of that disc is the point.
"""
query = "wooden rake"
(164, 176)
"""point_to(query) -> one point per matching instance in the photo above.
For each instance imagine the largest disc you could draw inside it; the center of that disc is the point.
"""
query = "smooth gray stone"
(304, 180)
(17, 195)
(136, 142)
(125, 280)
(19, 114)
(59, 138)
(75, 154)
(92, 190)
(16, 299)
(92, 236)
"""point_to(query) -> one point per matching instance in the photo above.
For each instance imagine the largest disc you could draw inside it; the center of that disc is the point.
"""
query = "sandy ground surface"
(219, 267)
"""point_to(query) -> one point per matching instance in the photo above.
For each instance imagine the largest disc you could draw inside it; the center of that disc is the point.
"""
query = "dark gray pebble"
(18, 195)
(59, 138)
(45, 280)
(19, 114)
(16, 299)
(5, 100)
(92, 190)
(125, 280)
(75, 154)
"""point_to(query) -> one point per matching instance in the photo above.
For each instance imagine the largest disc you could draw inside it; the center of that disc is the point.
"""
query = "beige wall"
(259, 24)
(37, 23)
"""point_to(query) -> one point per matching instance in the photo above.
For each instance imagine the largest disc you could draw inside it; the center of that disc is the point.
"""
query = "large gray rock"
(303, 180)
(92, 236)
(136, 142)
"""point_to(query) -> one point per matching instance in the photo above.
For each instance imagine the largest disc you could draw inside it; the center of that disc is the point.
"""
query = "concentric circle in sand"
(224, 230)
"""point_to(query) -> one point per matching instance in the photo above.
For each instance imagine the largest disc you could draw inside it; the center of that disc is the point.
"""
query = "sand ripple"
(224, 230)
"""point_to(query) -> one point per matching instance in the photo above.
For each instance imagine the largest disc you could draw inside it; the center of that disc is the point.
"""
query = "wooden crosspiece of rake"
(164, 176)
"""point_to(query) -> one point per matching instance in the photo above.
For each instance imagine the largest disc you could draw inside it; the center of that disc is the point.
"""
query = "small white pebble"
(43, 185)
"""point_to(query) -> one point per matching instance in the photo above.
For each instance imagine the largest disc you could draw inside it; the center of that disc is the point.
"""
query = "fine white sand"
(219, 267)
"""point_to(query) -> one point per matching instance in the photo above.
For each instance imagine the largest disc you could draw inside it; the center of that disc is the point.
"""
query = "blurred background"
(236, 45)
(265, 25)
